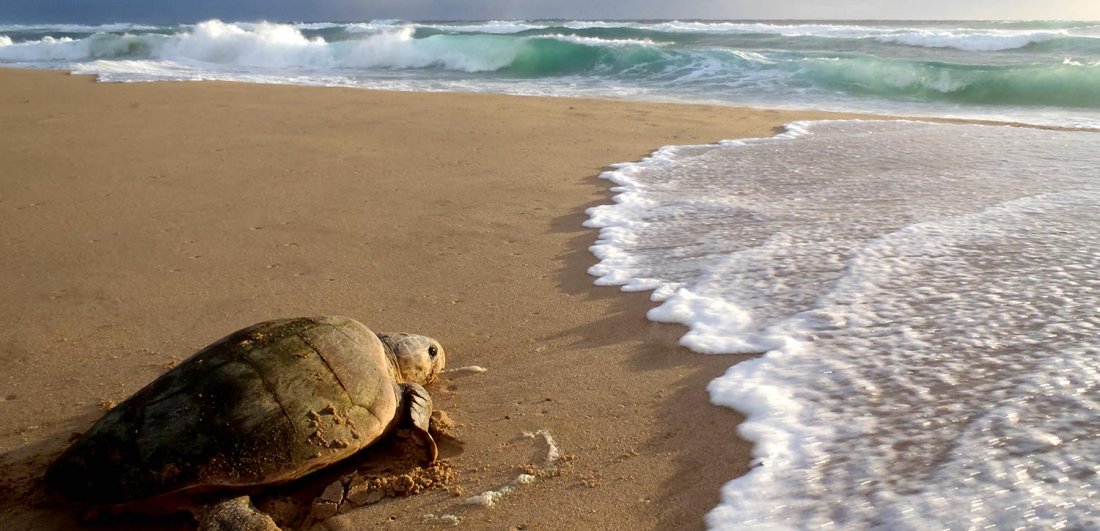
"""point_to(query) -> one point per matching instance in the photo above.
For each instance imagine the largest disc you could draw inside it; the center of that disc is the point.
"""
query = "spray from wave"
(915, 68)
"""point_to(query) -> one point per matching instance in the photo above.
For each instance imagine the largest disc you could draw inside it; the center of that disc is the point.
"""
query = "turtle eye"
(432, 351)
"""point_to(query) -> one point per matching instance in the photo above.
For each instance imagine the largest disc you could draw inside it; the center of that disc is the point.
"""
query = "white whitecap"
(985, 41)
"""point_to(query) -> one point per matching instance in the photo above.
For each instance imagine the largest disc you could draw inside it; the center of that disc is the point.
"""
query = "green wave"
(1062, 85)
(835, 63)
(551, 52)
(542, 56)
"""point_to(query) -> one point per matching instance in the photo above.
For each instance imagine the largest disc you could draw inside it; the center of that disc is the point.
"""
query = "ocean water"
(922, 297)
(1038, 72)
(925, 303)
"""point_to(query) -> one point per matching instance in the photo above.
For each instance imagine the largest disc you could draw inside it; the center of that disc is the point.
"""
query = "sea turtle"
(262, 406)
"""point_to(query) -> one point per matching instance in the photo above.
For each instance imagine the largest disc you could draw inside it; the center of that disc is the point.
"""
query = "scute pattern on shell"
(264, 405)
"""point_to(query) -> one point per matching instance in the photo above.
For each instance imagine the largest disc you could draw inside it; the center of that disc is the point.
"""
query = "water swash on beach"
(925, 300)
(922, 296)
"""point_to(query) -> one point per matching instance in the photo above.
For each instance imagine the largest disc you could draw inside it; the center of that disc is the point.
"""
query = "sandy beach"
(140, 222)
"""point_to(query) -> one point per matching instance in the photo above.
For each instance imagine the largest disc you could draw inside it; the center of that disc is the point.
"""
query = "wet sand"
(140, 222)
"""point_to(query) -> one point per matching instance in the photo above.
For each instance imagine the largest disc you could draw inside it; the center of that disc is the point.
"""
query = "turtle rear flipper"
(234, 514)
(418, 411)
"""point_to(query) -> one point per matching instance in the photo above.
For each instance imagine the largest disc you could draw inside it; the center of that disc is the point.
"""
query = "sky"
(166, 11)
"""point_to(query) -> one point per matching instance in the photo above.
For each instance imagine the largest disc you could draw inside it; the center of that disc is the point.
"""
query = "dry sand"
(140, 222)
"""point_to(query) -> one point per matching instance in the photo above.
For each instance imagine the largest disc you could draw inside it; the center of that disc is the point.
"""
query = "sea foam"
(927, 324)
(983, 41)
(1033, 72)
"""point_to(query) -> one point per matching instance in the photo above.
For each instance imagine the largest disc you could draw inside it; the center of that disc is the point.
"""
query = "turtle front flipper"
(418, 410)
(234, 514)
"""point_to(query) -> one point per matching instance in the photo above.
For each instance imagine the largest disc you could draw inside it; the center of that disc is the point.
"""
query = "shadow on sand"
(701, 437)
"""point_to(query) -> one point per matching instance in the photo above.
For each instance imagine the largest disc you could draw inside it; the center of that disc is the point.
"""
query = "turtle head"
(417, 359)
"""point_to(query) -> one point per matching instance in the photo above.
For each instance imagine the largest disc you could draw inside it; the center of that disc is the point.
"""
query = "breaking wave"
(904, 68)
